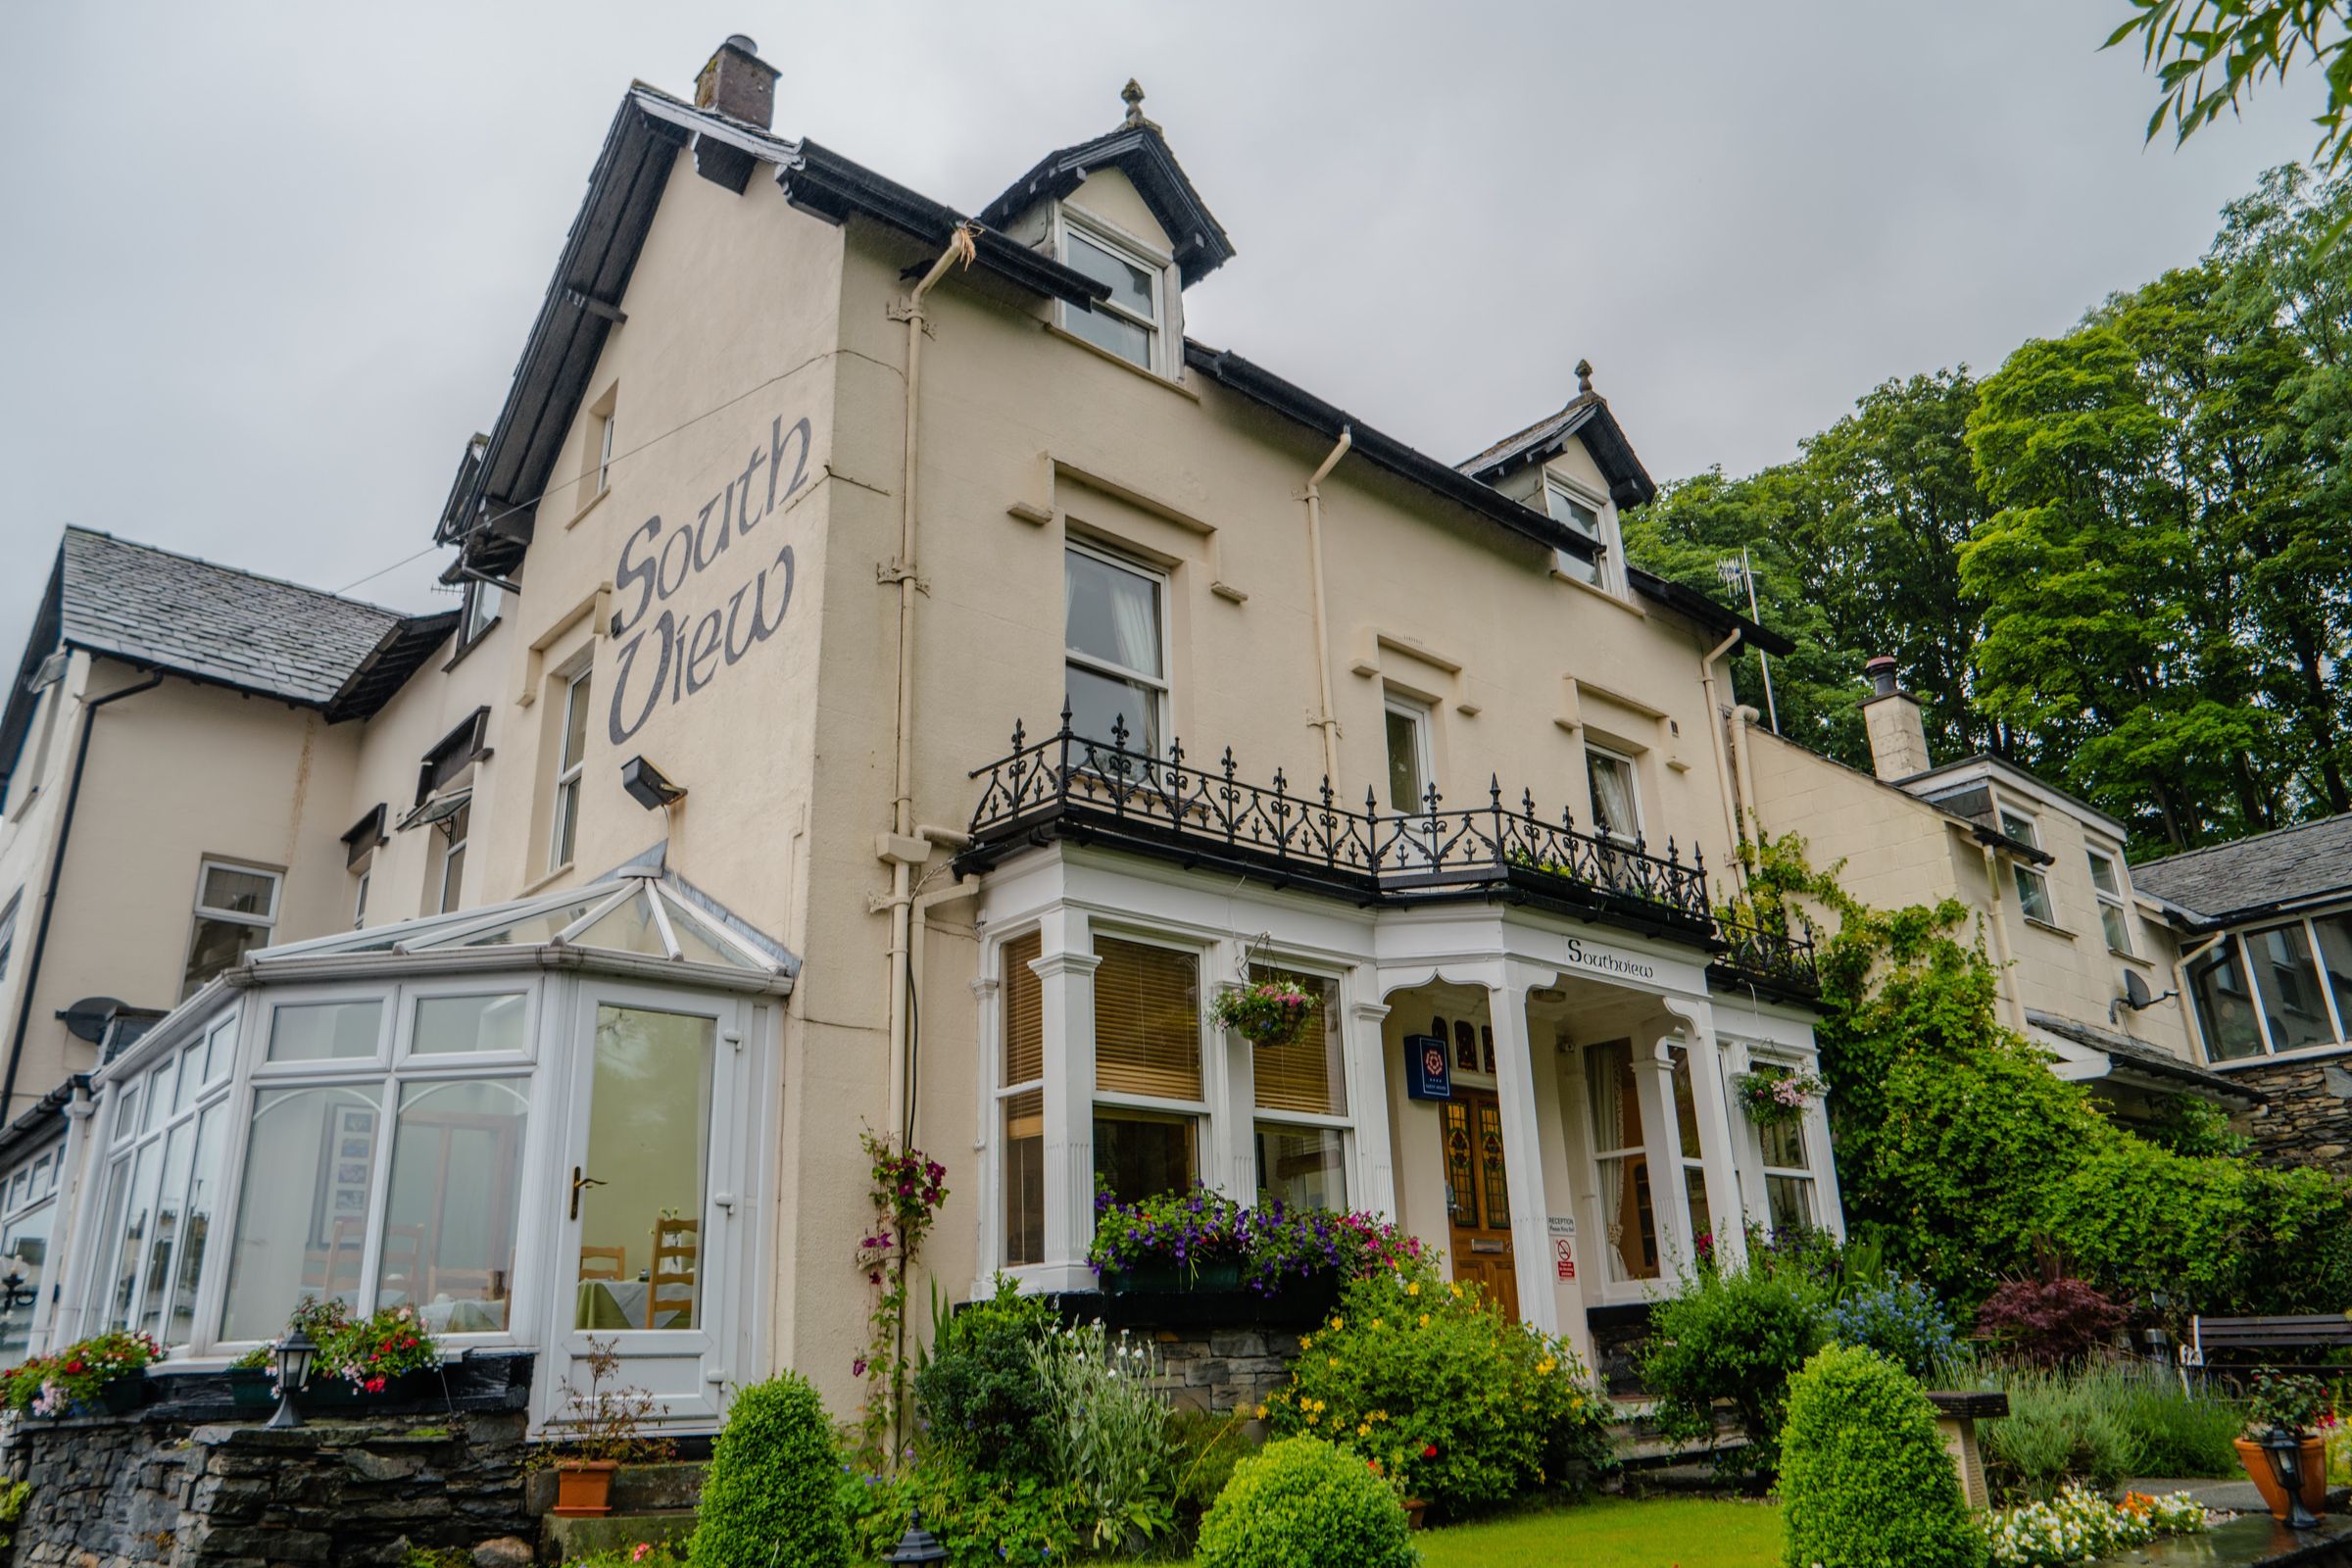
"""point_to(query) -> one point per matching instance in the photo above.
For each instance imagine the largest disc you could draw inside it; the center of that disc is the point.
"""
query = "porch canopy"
(385, 1117)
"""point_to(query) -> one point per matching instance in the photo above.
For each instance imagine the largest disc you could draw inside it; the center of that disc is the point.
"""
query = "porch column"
(1710, 1090)
(1523, 1145)
(1066, 970)
(1372, 1184)
(1670, 1204)
(1748, 1154)
(1231, 1088)
(1823, 1155)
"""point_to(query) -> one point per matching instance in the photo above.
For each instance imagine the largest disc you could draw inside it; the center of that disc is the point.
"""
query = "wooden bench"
(2225, 1344)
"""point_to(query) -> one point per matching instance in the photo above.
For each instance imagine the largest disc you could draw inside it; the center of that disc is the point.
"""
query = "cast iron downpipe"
(57, 866)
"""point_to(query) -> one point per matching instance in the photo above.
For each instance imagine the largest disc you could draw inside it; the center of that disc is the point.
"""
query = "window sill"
(549, 880)
(1165, 383)
(2132, 957)
(595, 501)
(465, 650)
(2053, 930)
(1602, 594)
(2301, 1054)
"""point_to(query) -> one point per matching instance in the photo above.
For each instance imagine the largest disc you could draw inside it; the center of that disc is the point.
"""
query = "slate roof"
(2140, 1058)
(163, 611)
(2289, 864)
(1138, 151)
(1586, 416)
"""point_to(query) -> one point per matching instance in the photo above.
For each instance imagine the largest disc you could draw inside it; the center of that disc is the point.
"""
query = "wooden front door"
(1478, 1201)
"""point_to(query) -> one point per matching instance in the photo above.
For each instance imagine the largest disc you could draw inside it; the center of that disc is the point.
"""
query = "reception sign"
(1428, 1070)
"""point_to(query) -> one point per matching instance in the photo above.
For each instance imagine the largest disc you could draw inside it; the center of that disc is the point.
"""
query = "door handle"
(579, 1181)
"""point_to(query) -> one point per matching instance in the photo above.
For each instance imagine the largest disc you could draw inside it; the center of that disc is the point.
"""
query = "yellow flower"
(1425, 1320)
(1337, 1322)
(1335, 1360)
(1414, 1289)
(1376, 1322)
(1363, 1429)
(1261, 1413)
(1312, 1418)
(1544, 1368)
(1306, 1341)
(1456, 1288)
(1576, 1401)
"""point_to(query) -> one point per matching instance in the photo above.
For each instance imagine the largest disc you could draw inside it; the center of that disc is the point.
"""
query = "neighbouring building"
(902, 678)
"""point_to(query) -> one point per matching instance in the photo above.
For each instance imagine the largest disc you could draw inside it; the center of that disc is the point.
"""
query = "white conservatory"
(533, 1122)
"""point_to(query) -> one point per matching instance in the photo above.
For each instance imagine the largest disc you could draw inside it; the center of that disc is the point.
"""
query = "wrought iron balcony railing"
(1778, 960)
(1067, 785)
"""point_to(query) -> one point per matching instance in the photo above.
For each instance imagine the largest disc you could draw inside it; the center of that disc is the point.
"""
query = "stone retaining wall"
(2307, 1118)
(1217, 1369)
(115, 1493)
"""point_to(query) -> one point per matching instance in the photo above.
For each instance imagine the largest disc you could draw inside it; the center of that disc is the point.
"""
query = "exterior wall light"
(295, 1353)
(917, 1544)
(647, 785)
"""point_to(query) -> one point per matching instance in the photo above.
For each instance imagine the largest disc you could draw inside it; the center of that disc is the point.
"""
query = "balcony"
(1069, 788)
(1777, 963)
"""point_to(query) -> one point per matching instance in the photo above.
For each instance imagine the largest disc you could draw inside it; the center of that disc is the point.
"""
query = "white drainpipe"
(1723, 761)
(1325, 724)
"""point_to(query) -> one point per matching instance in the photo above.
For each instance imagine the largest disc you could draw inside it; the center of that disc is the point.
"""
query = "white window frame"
(1647, 1087)
(1633, 789)
(2022, 871)
(1343, 1122)
(1161, 687)
(563, 803)
(604, 452)
(201, 911)
(991, 1134)
(1604, 558)
(359, 902)
(1815, 1150)
(1419, 716)
(31, 1187)
(211, 1056)
(482, 609)
(1202, 1113)
(2242, 949)
(2117, 899)
(453, 846)
(1135, 253)
(8, 931)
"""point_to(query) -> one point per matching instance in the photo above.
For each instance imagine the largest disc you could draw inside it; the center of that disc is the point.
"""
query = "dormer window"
(1580, 515)
(1131, 322)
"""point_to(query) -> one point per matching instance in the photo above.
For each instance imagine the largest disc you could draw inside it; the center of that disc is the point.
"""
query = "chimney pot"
(738, 83)
(1882, 671)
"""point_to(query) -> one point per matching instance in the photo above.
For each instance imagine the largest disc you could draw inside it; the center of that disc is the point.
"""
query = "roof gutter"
(57, 867)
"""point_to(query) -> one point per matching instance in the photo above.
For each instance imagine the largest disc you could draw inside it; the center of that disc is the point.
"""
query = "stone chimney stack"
(738, 83)
(1899, 740)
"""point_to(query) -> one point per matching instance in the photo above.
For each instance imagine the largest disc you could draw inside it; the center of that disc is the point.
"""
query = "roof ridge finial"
(1583, 379)
(1132, 95)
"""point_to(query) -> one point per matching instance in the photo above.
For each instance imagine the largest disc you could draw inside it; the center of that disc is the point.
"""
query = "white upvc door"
(650, 1198)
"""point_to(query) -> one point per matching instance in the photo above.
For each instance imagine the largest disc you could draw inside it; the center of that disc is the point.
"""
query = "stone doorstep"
(562, 1538)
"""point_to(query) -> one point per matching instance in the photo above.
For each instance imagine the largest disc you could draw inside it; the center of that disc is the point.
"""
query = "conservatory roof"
(636, 922)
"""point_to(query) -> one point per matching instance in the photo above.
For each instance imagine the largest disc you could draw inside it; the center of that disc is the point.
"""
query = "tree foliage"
(1970, 1163)
(2123, 559)
(2210, 54)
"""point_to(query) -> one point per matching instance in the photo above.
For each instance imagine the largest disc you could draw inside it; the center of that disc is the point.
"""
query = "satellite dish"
(2136, 990)
(87, 1019)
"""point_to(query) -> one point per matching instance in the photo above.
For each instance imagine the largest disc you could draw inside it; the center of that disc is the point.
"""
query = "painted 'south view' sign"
(695, 599)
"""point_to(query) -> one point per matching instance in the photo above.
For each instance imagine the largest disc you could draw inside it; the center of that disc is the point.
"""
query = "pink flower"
(642, 1550)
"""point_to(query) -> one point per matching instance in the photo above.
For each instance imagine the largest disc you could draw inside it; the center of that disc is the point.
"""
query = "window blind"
(1024, 1012)
(1147, 1020)
(1304, 1075)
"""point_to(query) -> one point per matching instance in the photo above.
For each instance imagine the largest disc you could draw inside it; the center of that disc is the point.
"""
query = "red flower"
(375, 1385)
(74, 1366)
(1429, 1452)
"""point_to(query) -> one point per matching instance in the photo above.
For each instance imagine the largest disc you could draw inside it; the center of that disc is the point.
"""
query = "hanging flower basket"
(1267, 1012)
(1773, 1096)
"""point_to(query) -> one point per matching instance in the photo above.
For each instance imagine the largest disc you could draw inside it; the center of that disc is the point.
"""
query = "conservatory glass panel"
(628, 929)
(325, 1031)
(455, 1196)
(697, 945)
(2290, 987)
(468, 1025)
(649, 1141)
(2217, 984)
(531, 930)
(302, 1209)
(203, 1191)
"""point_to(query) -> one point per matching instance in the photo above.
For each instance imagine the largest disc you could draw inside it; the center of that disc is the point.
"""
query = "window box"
(423, 1385)
(1222, 1276)
(252, 1388)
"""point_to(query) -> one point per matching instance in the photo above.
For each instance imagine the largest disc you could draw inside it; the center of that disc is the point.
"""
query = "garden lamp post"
(2285, 1449)
(917, 1544)
(295, 1352)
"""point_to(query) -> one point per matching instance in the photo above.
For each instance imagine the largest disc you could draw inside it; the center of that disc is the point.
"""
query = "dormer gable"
(1153, 180)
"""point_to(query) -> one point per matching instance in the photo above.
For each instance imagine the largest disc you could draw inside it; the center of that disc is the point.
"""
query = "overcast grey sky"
(262, 269)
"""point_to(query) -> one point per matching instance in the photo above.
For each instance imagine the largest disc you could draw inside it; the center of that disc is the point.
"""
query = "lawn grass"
(1616, 1532)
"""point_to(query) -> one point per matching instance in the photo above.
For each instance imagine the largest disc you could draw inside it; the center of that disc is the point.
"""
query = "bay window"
(1021, 1101)
(1149, 1099)
(1301, 1098)
(2284, 986)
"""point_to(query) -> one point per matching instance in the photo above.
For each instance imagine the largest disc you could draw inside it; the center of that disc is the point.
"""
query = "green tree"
(2210, 54)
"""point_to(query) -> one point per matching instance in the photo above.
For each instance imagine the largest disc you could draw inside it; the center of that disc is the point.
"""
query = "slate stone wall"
(2307, 1120)
(138, 1490)
(1219, 1368)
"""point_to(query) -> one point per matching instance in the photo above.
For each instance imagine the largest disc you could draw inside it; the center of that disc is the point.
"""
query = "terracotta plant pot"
(585, 1486)
(1416, 1513)
(2314, 1464)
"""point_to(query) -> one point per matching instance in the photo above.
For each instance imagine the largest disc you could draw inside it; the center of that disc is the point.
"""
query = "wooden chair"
(334, 1272)
(677, 1248)
(604, 1262)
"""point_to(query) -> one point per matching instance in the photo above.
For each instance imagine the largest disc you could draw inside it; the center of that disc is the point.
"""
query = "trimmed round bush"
(1865, 1481)
(772, 1493)
(1302, 1503)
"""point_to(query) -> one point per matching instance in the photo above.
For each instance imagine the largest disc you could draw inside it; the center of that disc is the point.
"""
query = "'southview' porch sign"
(680, 652)
(1592, 958)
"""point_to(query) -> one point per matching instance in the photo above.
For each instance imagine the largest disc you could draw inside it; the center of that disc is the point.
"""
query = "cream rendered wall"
(1187, 479)
(35, 806)
(1898, 850)
(178, 774)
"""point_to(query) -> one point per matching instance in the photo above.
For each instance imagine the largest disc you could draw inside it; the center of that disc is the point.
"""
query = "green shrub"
(772, 1493)
(1452, 1403)
(1900, 1319)
(1304, 1504)
(1109, 1425)
(984, 1520)
(2096, 1425)
(1208, 1447)
(979, 1395)
(1865, 1481)
(1736, 1336)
